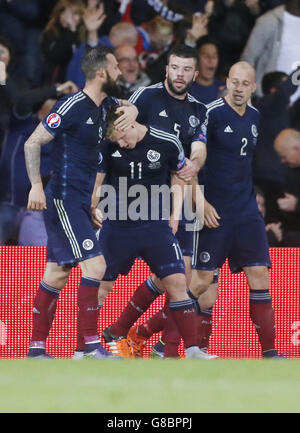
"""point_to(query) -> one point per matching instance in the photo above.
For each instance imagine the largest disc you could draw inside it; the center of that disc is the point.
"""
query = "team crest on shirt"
(194, 121)
(254, 131)
(53, 120)
(88, 244)
(153, 156)
(204, 257)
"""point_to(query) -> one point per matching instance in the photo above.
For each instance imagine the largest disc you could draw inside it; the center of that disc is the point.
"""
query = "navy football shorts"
(71, 237)
(154, 242)
(185, 240)
(243, 241)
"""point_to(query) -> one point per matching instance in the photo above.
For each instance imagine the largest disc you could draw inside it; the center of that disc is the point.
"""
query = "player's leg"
(251, 254)
(93, 270)
(104, 290)
(204, 290)
(44, 307)
(261, 311)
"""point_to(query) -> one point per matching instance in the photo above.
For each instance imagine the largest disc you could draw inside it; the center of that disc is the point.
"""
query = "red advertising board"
(21, 270)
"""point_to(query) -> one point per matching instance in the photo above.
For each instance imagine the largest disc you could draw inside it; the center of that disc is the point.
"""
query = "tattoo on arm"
(32, 149)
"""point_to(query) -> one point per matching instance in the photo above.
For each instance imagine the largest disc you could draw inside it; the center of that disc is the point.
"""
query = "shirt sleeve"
(61, 116)
(202, 130)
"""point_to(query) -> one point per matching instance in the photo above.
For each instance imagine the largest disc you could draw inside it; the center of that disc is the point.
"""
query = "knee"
(258, 277)
(57, 278)
(93, 268)
(201, 280)
(208, 299)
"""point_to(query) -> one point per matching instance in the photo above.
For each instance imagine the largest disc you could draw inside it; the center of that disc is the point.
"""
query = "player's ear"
(101, 73)
(195, 75)
(254, 87)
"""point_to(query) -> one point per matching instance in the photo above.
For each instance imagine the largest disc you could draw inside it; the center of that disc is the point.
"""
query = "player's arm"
(195, 162)
(178, 191)
(206, 213)
(96, 213)
(32, 149)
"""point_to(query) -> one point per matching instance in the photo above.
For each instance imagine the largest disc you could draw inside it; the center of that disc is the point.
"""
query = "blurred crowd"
(41, 46)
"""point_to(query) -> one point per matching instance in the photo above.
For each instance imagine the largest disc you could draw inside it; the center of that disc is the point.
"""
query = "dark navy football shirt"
(231, 140)
(181, 117)
(78, 126)
(148, 164)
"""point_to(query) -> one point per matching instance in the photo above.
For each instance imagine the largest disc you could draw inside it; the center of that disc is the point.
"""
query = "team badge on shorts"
(204, 257)
(88, 244)
(53, 120)
(194, 121)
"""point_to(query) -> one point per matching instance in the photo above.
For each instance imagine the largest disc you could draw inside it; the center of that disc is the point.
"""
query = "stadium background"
(21, 270)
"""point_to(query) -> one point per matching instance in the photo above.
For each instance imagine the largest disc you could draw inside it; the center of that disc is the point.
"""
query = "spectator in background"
(120, 34)
(274, 229)
(31, 107)
(230, 24)
(111, 9)
(208, 86)
(287, 145)
(15, 82)
(132, 76)
(270, 174)
(274, 43)
(19, 22)
(158, 36)
(172, 10)
(64, 32)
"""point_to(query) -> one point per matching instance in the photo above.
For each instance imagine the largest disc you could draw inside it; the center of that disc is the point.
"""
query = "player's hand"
(97, 217)
(188, 171)
(37, 198)
(67, 87)
(211, 216)
(94, 17)
(129, 115)
(198, 29)
(276, 229)
(288, 203)
(173, 223)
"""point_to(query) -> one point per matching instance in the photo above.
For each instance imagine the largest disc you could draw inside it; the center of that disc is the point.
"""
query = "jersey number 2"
(245, 142)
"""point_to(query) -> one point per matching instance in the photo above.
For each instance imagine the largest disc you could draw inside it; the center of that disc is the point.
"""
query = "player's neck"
(240, 109)
(141, 131)
(94, 93)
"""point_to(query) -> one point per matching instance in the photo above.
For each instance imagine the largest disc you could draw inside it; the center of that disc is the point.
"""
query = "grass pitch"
(151, 386)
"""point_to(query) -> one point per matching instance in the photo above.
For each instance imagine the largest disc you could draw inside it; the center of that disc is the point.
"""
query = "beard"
(111, 88)
(176, 91)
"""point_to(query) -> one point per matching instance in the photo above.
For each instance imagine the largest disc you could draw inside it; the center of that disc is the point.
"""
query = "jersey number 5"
(245, 142)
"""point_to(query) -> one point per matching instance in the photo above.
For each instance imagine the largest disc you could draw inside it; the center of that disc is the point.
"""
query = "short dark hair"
(270, 80)
(181, 50)
(93, 59)
(206, 40)
(111, 117)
